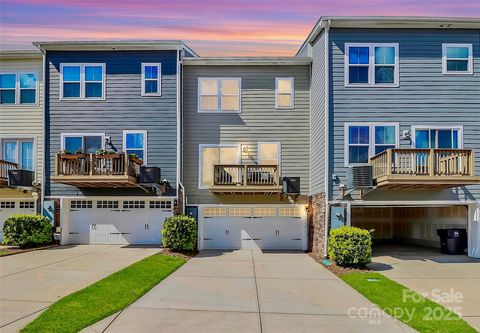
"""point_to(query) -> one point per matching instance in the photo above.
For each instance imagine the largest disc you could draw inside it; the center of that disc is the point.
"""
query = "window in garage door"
(133, 204)
(290, 211)
(264, 211)
(211, 155)
(239, 211)
(107, 204)
(77, 204)
(214, 211)
(161, 204)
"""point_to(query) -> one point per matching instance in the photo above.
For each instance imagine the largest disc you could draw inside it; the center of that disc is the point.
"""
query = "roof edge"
(112, 45)
(20, 54)
(253, 61)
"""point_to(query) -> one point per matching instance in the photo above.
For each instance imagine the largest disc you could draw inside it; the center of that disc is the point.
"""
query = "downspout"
(178, 120)
(44, 134)
(327, 144)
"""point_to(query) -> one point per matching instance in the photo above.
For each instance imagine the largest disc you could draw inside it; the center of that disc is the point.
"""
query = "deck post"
(244, 182)
(431, 162)
(90, 158)
(389, 162)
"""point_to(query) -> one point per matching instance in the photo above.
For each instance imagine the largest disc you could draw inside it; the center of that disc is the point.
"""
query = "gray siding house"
(245, 135)
(112, 121)
(401, 95)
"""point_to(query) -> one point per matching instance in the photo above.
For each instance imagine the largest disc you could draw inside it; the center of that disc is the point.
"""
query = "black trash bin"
(452, 241)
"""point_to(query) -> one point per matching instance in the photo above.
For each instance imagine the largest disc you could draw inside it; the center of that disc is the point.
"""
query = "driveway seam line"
(118, 314)
(25, 316)
(256, 292)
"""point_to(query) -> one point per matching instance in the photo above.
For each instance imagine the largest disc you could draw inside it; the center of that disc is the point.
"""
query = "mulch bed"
(338, 270)
(182, 254)
(7, 250)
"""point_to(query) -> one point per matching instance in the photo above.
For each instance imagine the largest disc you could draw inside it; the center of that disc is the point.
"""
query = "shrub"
(180, 233)
(350, 246)
(26, 230)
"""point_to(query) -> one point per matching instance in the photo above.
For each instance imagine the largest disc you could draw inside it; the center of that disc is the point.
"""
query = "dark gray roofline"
(20, 54)
(252, 61)
(390, 22)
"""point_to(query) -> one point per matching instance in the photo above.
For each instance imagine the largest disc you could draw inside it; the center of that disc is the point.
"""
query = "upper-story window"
(443, 137)
(87, 143)
(219, 95)
(18, 151)
(151, 79)
(371, 65)
(135, 142)
(457, 59)
(18, 88)
(211, 155)
(364, 140)
(284, 92)
(82, 81)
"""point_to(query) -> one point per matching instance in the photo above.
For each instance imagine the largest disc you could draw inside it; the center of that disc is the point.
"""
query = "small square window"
(82, 81)
(219, 95)
(457, 59)
(18, 88)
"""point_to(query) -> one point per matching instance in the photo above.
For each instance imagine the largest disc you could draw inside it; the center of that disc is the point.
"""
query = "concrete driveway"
(30, 282)
(249, 291)
(452, 281)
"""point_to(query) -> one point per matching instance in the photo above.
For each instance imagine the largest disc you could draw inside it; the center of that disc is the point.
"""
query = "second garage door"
(117, 222)
(247, 227)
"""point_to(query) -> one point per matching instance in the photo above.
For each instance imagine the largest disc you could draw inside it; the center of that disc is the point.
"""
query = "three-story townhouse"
(112, 148)
(21, 133)
(395, 140)
(245, 150)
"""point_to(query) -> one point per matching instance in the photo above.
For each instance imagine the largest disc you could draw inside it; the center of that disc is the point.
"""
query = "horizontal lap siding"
(425, 96)
(259, 121)
(123, 109)
(25, 120)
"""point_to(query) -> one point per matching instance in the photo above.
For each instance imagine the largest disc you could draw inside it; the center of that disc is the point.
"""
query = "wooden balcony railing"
(245, 178)
(5, 166)
(432, 167)
(91, 170)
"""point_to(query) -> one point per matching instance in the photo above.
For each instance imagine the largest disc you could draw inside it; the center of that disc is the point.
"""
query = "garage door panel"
(11, 207)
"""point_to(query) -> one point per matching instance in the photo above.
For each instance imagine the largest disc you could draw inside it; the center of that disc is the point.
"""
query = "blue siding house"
(112, 143)
(398, 98)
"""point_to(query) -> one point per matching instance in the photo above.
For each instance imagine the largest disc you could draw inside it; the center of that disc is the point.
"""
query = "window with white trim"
(441, 137)
(82, 143)
(18, 88)
(364, 140)
(20, 151)
(135, 144)
(211, 155)
(82, 81)
(368, 64)
(284, 92)
(457, 59)
(219, 95)
(151, 79)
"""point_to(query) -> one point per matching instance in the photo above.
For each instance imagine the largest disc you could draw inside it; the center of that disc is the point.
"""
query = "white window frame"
(469, 70)
(64, 135)
(219, 95)
(259, 152)
(83, 82)
(292, 93)
(159, 79)
(18, 141)
(17, 88)
(200, 159)
(371, 66)
(459, 128)
(371, 139)
(145, 140)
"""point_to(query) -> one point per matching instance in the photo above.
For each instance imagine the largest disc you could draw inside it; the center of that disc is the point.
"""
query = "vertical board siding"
(317, 117)
(123, 109)
(259, 121)
(425, 97)
(25, 121)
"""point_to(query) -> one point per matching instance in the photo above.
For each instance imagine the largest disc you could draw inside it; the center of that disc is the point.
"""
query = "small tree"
(26, 230)
(179, 232)
(350, 246)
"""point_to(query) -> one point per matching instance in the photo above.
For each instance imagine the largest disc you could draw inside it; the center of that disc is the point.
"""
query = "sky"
(211, 28)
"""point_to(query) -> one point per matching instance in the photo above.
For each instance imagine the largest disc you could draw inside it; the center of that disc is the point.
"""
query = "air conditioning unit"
(149, 175)
(291, 185)
(20, 178)
(359, 176)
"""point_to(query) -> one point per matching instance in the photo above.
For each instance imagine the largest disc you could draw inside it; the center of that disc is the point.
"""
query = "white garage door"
(10, 207)
(247, 227)
(117, 222)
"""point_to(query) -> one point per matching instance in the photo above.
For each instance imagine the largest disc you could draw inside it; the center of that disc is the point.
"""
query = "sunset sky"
(212, 28)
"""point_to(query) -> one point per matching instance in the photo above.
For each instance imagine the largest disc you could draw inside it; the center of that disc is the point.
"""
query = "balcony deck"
(245, 179)
(90, 170)
(5, 166)
(405, 168)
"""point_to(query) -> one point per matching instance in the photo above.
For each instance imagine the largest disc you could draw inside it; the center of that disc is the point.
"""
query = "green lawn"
(105, 297)
(418, 312)
(3, 252)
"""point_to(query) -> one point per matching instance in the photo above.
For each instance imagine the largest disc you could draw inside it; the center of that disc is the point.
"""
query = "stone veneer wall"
(316, 225)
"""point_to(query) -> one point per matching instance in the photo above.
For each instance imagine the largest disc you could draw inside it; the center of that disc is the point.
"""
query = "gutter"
(327, 143)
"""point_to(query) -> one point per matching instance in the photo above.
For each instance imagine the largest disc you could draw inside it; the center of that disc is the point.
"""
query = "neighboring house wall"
(424, 97)
(123, 109)
(258, 121)
(25, 121)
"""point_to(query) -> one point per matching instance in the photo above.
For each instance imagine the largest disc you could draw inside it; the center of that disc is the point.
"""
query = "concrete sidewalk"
(30, 282)
(249, 291)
